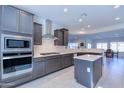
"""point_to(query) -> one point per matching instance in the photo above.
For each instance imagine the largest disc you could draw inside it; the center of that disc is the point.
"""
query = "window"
(101, 46)
(114, 46)
(104, 46)
(72, 45)
(121, 46)
(117, 46)
(88, 45)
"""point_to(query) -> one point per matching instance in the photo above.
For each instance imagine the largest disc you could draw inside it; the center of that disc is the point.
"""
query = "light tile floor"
(113, 77)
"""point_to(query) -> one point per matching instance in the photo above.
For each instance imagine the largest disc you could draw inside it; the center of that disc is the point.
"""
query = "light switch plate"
(88, 69)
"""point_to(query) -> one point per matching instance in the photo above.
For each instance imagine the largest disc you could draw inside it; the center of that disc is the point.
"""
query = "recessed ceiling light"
(81, 32)
(88, 26)
(117, 18)
(65, 9)
(80, 20)
(116, 6)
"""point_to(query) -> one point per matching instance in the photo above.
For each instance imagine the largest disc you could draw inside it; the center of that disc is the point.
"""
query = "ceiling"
(98, 16)
(102, 35)
(111, 35)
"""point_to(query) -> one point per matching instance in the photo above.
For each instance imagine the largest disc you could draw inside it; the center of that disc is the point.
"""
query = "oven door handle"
(12, 57)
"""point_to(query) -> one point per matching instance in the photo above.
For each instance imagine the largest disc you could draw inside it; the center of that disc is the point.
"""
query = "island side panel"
(82, 74)
(97, 70)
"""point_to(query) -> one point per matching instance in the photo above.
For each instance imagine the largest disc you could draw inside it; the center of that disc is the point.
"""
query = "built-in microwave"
(16, 43)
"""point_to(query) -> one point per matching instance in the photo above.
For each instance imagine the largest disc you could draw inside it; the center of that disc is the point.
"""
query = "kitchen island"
(88, 69)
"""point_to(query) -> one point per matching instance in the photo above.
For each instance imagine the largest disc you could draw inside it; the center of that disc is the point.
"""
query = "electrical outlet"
(88, 69)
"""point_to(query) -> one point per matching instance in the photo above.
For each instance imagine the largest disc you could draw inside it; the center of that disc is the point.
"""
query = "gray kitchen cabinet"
(88, 72)
(97, 67)
(15, 20)
(26, 22)
(59, 35)
(9, 18)
(38, 69)
(62, 35)
(53, 64)
(37, 34)
(0, 12)
(65, 38)
(67, 60)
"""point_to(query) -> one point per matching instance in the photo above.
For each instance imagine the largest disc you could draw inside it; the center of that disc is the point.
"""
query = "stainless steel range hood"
(47, 24)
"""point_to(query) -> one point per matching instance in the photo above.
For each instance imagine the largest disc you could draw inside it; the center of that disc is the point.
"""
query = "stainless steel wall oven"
(16, 55)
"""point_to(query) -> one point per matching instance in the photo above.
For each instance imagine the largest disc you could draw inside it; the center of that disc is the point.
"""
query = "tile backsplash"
(47, 46)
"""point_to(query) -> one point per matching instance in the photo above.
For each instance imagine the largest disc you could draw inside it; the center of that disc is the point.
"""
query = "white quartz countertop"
(88, 57)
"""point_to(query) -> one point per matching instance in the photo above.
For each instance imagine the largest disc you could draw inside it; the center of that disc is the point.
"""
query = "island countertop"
(88, 57)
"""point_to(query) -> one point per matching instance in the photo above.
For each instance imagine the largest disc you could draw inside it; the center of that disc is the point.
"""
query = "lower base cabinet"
(38, 69)
(67, 60)
(52, 64)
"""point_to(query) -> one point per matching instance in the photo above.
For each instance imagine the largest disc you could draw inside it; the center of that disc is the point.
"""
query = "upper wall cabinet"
(65, 39)
(26, 22)
(15, 20)
(62, 35)
(9, 18)
(59, 35)
(37, 34)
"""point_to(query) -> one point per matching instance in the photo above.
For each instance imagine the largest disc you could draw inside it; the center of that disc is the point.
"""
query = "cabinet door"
(59, 35)
(0, 15)
(26, 23)
(52, 65)
(67, 60)
(97, 70)
(65, 38)
(38, 69)
(37, 34)
(10, 18)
